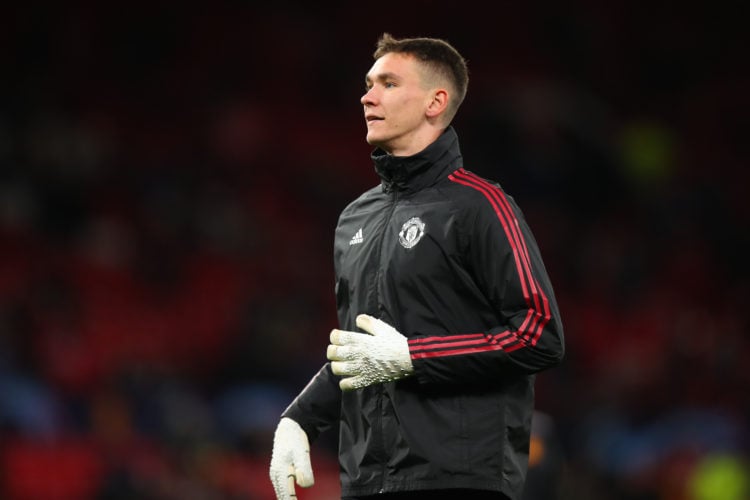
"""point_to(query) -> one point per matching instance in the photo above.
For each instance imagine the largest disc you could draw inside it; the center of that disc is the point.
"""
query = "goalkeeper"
(445, 309)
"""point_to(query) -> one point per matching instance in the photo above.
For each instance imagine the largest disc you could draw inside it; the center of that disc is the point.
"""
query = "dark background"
(171, 174)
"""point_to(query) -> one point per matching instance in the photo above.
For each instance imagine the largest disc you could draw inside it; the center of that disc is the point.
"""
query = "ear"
(437, 104)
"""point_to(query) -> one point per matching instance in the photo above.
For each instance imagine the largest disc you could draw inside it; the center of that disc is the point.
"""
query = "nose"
(367, 98)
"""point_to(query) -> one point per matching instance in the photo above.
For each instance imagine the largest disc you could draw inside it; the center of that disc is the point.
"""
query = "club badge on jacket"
(411, 232)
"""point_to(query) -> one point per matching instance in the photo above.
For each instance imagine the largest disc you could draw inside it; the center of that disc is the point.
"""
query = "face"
(395, 105)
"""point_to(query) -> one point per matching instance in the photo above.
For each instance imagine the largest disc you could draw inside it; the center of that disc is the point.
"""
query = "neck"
(414, 143)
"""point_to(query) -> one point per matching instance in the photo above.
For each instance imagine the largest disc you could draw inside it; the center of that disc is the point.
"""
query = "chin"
(378, 140)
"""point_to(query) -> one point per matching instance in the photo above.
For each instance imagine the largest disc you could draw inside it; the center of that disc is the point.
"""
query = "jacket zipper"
(381, 388)
(388, 218)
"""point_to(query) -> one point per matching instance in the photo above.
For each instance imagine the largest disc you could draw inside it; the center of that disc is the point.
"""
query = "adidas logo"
(357, 238)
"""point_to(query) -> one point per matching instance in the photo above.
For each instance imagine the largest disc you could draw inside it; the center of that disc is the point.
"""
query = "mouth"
(373, 118)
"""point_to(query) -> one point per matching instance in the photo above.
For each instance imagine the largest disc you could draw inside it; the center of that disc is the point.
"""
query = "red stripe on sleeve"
(536, 289)
(503, 209)
(539, 314)
(509, 345)
(425, 340)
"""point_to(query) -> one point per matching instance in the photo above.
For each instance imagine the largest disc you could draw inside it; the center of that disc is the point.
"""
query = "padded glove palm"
(364, 359)
(290, 459)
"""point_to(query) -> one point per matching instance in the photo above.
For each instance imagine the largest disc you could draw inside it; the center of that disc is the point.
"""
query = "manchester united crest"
(411, 232)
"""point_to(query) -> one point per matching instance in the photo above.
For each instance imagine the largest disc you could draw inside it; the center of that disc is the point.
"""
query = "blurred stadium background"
(171, 174)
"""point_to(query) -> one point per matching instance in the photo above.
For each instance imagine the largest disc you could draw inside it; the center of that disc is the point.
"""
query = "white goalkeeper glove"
(381, 355)
(290, 459)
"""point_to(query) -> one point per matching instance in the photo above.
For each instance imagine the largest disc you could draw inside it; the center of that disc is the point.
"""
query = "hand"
(381, 356)
(290, 459)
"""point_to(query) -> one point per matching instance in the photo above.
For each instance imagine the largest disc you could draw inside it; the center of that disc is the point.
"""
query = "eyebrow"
(382, 77)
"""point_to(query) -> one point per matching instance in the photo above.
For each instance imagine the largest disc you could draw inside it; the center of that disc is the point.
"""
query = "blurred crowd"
(170, 178)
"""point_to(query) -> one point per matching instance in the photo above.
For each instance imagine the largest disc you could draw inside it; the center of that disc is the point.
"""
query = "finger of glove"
(351, 383)
(368, 324)
(302, 469)
(345, 368)
(374, 326)
(282, 485)
(290, 483)
(339, 353)
(343, 337)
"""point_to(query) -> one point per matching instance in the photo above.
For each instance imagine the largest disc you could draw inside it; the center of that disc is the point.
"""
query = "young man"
(445, 309)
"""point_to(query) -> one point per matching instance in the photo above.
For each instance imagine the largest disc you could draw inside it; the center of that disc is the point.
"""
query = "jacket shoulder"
(373, 194)
(479, 198)
(468, 189)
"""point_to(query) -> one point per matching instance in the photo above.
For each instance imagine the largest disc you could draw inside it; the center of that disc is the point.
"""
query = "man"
(438, 270)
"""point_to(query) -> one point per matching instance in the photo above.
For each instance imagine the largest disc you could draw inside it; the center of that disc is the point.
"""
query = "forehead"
(394, 64)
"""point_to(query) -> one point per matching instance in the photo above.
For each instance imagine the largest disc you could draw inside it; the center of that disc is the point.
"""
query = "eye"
(389, 85)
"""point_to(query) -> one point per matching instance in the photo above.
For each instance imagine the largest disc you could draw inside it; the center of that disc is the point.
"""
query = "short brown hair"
(437, 55)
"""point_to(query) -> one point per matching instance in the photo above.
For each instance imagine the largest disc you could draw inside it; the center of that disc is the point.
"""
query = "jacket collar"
(413, 173)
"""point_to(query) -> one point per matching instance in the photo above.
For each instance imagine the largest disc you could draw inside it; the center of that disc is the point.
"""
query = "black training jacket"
(446, 258)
